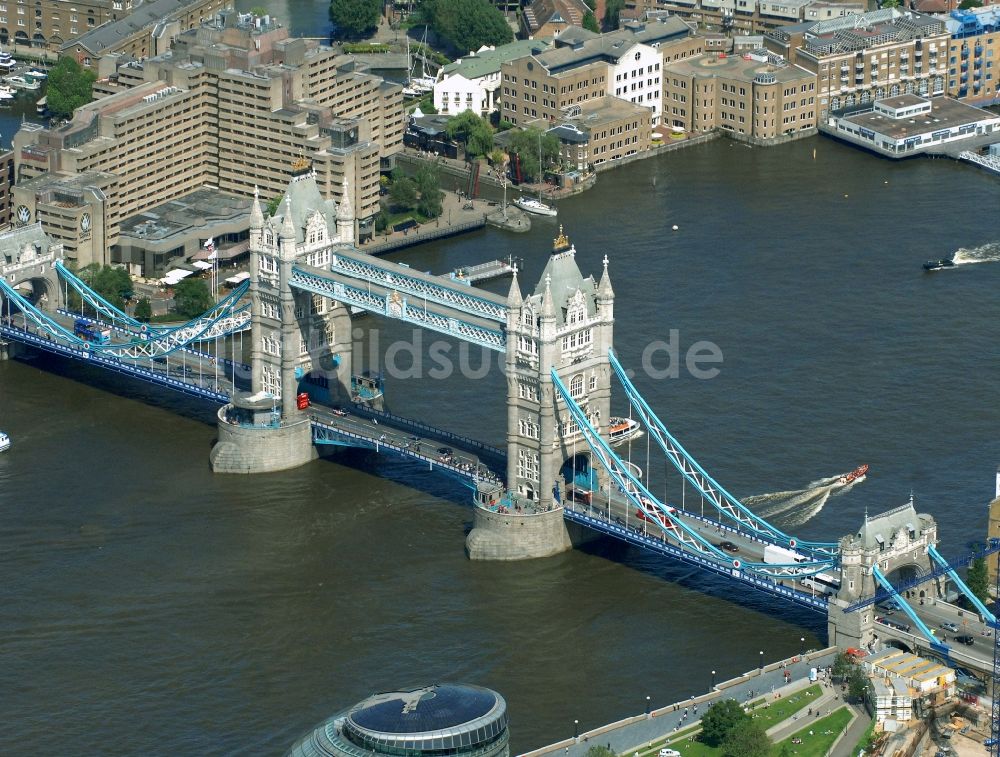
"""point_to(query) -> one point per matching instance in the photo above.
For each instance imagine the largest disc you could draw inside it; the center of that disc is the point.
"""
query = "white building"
(635, 76)
(925, 679)
(473, 82)
(891, 700)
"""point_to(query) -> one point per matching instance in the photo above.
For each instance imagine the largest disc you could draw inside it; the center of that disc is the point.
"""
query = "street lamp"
(802, 645)
(762, 659)
(713, 679)
(576, 729)
(647, 705)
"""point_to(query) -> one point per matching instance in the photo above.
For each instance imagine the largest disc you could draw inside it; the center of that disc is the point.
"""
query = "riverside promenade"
(632, 734)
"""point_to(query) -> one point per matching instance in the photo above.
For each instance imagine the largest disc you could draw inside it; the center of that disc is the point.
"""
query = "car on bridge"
(965, 639)
(728, 546)
(897, 626)
(949, 626)
(446, 454)
(339, 412)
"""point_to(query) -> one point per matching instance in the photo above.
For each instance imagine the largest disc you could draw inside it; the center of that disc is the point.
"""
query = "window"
(576, 386)
(527, 465)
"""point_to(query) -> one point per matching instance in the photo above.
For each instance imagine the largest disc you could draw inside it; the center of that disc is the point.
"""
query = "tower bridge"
(559, 477)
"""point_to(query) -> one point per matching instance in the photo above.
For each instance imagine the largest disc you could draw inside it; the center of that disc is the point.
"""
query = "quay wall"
(634, 732)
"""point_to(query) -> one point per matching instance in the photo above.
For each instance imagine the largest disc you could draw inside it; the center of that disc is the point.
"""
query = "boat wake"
(798, 506)
(985, 253)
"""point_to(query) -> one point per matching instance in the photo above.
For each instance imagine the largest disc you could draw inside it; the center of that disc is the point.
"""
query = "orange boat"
(860, 472)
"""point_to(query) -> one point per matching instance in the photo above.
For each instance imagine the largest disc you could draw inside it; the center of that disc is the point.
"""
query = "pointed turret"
(256, 214)
(287, 225)
(345, 216)
(548, 306)
(604, 289)
(514, 299)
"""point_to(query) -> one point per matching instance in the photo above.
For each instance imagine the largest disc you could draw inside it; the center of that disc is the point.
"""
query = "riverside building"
(243, 102)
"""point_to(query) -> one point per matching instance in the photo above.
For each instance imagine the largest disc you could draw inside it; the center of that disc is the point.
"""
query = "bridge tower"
(895, 542)
(28, 256)
(565, 324)
(300, 342)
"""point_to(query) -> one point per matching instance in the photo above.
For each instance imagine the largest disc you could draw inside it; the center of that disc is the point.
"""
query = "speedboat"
(937, 265)
(7, 61)
(4, 441)
(6, 93)
(622, 429)
(855, 475)
(34, 73)
(531, 205)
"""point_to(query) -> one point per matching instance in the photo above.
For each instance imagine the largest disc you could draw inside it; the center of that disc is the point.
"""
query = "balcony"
(979, 50)
(965, 53)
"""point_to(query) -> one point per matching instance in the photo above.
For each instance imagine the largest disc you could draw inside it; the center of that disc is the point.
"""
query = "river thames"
(151, 606)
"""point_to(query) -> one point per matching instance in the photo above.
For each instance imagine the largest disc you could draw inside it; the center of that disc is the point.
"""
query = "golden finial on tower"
(561, 242)
(301, 165)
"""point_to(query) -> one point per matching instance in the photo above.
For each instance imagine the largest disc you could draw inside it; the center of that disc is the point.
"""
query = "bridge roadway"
(897, 626)
(185, 373)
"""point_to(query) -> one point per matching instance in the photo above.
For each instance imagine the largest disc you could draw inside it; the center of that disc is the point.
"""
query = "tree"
(526, 145)
(143, 310)
(431, 196)
(746, 739)
(720, 719)
(272, 205)
(70, 86)
(403, 193)
(857, 685)
(966, 4)
(978, 579)
(113, 284)
(355, 18)
(473, 130)
(842, 666)
(612, 10)
(466, 25)
(191, 297)
(590, 22)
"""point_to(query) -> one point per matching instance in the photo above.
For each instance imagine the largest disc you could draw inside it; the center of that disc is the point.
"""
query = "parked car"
(948, 626)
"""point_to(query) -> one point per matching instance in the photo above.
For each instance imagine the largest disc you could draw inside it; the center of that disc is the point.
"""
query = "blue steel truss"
(113, 364)
(992, 546)
(494, 339)
(911, 613)
(962, 587)
(666, 517)
(443, 292)
(637, 538)
(146, 346)
(717, 496)
(238, 319)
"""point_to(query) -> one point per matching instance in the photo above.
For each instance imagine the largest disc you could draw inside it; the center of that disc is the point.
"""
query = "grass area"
(767, 714)
(817, 737)
(362, 48)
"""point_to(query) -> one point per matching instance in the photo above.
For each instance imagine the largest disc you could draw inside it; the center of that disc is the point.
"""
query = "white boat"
(23, 82)
(34, 73)
(4, 441)
(7, 61)
(531, 205)
(622, 429)
(6, 93)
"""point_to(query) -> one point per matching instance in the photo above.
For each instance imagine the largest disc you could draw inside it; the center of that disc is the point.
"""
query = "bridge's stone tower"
(566, 324)
(896, 542)
(28, 256)
(296, 337)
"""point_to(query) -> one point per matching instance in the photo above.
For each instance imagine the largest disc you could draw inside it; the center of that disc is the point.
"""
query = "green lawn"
(824, 732)
(768, 715)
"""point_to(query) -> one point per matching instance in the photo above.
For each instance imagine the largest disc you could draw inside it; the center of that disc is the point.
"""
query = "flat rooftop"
(735, 67)
(945, 114)
(202, 207)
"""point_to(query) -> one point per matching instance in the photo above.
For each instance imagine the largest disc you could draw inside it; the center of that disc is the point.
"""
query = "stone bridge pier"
(896, 543)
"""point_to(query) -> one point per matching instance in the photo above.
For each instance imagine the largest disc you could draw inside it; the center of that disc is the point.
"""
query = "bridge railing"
(472, 473)
(429, 431)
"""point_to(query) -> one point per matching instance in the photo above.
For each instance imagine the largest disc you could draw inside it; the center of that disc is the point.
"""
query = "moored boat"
(531, 205)
(937, 265)
(4, 441)
(7, 61)
(23, 82)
